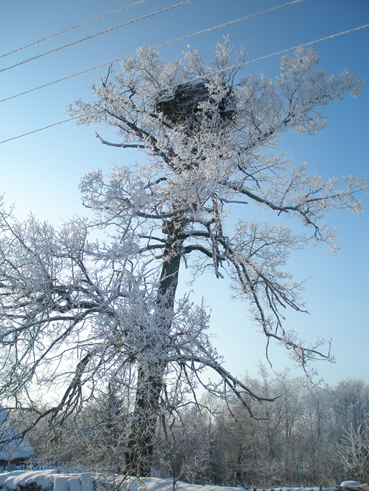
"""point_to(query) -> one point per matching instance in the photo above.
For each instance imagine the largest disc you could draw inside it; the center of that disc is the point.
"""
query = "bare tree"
(78, 313)
(354, 452)
(183, 446)
(351, 404)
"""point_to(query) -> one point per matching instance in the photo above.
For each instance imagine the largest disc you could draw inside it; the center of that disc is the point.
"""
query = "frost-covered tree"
(78, 314)
(350, 399)
(354, 452)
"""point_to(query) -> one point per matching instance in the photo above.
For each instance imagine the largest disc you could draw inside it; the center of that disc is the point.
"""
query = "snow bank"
(60, 480)
(45, 480)
(159, 484)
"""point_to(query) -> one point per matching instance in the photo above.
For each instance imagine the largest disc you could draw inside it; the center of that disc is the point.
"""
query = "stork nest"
(182, 105)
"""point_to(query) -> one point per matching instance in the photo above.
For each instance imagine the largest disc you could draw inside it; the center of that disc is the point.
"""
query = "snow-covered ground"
(60, 480)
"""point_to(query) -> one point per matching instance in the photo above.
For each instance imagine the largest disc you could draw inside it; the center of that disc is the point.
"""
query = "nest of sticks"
(181, 105)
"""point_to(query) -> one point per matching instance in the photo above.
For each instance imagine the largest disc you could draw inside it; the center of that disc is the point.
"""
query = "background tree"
(259, 452)
(354, 452)
(183, 446)
(77, 312)
(351, 404)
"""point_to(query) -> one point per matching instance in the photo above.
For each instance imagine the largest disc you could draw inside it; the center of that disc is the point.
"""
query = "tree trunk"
(151, 372)
(142, 432)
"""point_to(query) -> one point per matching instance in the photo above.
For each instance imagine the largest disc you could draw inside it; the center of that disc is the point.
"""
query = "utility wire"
(73, 27)
(40, 129)
(187, 36)
(230, 67)
(248, 62)
(98, 34)
(332, 36)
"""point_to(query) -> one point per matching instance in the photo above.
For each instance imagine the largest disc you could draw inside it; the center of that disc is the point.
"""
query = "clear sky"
(40, 173)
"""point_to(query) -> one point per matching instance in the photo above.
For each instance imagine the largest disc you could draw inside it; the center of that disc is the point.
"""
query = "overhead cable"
(230, 67)
(187, 36)
(332, 36)
(98, 34)
(73, 27)
(276, 53)
(39, 129)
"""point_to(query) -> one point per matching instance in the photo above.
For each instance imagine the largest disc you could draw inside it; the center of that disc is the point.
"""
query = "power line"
(332, 36)
(73, 27)
(98, 34)
(39, 129)
(187, 36)
(276, 53)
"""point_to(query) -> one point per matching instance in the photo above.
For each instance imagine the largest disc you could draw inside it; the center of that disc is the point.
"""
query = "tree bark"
(151, 371)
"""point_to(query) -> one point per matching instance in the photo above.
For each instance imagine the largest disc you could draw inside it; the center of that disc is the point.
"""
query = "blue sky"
(40, 173)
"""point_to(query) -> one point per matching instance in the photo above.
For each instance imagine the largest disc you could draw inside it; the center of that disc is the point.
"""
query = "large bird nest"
(181, 105)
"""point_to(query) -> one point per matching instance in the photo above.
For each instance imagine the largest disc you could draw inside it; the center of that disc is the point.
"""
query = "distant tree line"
(307, 436)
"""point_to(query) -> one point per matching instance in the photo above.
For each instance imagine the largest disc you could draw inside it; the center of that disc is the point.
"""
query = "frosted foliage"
(77, 312)
(196, 174)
